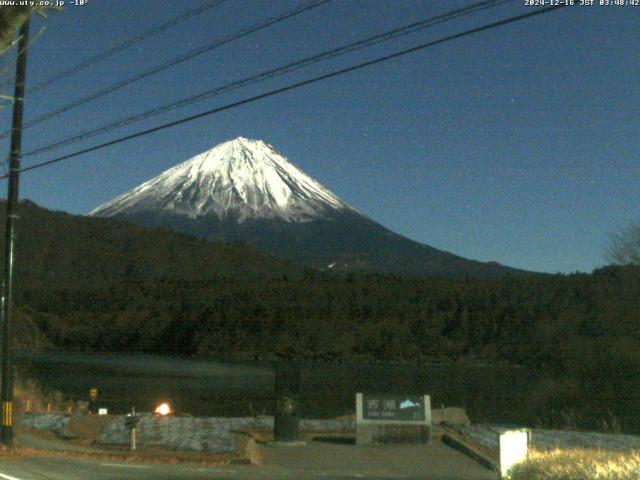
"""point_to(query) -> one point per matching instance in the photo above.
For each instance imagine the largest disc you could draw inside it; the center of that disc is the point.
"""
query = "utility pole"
(6, 390)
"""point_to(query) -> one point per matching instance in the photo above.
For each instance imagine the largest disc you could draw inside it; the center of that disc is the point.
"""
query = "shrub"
(578, 465)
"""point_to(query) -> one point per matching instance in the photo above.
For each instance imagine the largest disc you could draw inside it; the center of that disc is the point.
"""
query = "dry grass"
(142, 456)
(31, 397)
(579, 465)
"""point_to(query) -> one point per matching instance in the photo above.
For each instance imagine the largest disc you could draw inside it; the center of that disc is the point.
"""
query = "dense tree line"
(540, 321)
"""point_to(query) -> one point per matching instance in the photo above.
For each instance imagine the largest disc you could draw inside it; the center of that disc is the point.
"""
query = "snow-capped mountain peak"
(237, 179)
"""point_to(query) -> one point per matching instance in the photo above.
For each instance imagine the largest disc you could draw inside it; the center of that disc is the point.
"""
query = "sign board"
(514, 445)
(393, 409)
(102, 411)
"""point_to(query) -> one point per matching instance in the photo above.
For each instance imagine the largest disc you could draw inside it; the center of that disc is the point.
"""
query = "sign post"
(392, 418)
(514, 447)
(131, 422)
(93, 400)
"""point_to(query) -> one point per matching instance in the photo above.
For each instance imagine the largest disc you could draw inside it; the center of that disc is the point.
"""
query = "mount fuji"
(246, 191)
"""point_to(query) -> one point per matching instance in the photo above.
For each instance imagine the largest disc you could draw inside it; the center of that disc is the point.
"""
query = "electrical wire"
(272, 73)
(122, 46)
(293, 86)
(182, 58)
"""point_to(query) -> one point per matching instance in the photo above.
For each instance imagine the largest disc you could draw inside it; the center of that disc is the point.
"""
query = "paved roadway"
(315, 461)
(74, 469)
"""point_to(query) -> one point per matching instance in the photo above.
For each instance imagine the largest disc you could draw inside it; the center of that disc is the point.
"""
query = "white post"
(514, 446)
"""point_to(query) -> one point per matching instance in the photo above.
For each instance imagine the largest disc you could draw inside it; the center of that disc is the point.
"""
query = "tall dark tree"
(624, 246)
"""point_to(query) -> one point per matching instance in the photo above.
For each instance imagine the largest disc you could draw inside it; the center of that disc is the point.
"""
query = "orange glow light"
(163, 409)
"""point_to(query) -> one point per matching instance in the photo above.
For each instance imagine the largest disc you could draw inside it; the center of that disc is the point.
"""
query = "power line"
(175, 61)
(294, 86)
(122, 46)
(272, 73)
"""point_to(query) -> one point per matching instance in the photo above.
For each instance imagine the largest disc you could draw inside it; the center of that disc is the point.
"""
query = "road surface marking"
(8, 477)
(121, 465)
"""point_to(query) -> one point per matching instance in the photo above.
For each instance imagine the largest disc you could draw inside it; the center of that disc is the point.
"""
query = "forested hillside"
(102, 284)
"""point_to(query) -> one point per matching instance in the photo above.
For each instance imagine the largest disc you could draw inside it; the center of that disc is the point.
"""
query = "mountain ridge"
(246, 191)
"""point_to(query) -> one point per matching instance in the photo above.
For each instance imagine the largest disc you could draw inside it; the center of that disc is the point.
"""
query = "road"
(74, 469)
(311, 462)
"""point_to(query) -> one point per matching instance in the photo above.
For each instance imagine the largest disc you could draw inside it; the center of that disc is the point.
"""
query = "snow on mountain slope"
(239, 179)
